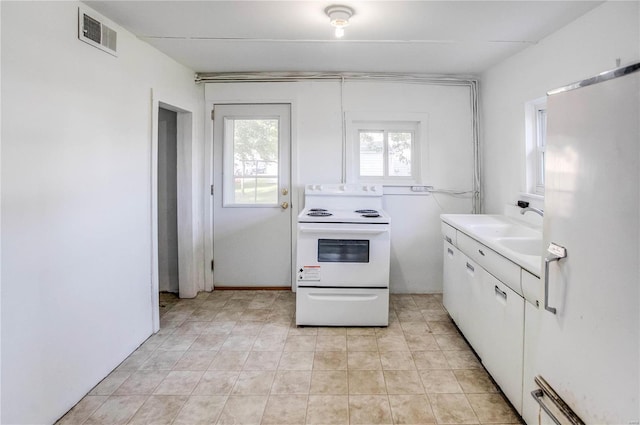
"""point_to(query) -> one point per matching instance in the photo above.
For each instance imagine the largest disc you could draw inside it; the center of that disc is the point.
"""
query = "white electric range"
(343, 256)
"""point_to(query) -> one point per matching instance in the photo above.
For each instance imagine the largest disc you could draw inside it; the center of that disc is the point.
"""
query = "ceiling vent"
(92, 30)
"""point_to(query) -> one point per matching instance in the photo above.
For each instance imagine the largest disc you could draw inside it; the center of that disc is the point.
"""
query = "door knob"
(285, 191)
(284, 205)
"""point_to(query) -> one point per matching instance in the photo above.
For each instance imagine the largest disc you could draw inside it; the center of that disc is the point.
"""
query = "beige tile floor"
(236, 357)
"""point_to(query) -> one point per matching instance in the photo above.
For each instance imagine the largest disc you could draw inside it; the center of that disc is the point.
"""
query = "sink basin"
(522, 245)
(491, 226)
(503, 230)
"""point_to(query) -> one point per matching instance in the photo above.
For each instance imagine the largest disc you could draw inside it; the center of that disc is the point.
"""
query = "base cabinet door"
(452, 281)
(530, 407)
(472, 315)
(503, 337)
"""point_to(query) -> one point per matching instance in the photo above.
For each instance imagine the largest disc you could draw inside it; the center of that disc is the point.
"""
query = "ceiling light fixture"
(339, 18)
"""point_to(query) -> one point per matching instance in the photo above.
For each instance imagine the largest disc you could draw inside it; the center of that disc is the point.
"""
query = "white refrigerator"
(585, 343)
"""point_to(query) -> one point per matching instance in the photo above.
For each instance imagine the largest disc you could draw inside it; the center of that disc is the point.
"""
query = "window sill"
(406, 189)
(531, 197)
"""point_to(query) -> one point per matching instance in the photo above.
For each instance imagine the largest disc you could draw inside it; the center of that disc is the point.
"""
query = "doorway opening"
(168, 278)
(172, 223)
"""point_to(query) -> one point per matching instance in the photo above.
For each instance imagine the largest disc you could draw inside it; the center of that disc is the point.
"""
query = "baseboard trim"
(252, 288)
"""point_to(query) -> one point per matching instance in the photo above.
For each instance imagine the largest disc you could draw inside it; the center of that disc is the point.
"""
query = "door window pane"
(255, 161)
(372, 153)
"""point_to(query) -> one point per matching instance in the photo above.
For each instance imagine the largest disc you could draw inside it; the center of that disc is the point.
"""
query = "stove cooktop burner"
(323, 213)
(371, 215)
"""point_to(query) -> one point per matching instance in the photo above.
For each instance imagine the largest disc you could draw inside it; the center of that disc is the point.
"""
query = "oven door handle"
(342, 231)
(343, 297)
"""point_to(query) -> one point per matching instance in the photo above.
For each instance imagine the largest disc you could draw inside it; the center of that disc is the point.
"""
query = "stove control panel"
(344, 189)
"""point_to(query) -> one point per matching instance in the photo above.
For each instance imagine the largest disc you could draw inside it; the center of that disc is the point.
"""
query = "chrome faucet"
(535, 210)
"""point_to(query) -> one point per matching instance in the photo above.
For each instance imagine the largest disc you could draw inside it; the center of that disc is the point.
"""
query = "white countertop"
(514, 239)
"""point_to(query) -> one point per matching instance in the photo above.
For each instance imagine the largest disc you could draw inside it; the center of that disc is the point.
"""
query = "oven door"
(343, 255)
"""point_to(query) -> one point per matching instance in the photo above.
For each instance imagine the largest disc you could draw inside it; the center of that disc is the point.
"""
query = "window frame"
(535, 145)
(385, 130)
(357, 122)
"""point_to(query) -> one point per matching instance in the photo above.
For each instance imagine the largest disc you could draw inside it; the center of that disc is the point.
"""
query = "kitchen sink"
(514, 239)
(503, 230)
(522, 245)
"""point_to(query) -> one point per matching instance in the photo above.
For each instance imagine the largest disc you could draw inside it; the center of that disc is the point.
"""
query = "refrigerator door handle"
(547, 261)
(557, 253)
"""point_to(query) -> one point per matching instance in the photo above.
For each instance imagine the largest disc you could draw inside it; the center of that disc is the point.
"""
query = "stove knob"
(365, 188)
(318, 187)
(374, 189)
(343, 187)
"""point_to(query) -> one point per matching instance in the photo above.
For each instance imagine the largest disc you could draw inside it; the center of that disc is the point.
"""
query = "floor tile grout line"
(439, 344)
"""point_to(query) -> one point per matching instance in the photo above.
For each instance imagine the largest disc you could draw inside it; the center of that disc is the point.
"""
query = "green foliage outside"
(255, 157)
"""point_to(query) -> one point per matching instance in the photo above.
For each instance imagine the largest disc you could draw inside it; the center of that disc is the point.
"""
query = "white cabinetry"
(505, 270)
(530, 408)
(472, 323)
(503, 337)
(452, 292)
(488, 310)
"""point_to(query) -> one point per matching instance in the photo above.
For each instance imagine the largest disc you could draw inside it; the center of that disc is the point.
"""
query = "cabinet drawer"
(449, 233)
(532, 288)
(491, 261)
(347, 306)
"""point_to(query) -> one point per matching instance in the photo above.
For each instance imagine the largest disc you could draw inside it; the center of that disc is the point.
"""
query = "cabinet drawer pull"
(500, 292)
(470, 267)
(448, 239)
(450, 251)
(481, 253)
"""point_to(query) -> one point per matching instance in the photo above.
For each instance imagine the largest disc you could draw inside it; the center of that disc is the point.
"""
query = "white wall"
(589, 45)
(416, 243)
(0, 226)
(76, 204)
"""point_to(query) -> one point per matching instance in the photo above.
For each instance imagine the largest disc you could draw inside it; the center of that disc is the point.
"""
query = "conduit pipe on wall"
(344, 132)
(442, 80)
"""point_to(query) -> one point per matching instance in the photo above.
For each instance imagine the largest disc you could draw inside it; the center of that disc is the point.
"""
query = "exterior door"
(251, 214)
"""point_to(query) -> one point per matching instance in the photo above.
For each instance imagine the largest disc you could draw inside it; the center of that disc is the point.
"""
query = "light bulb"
(339, 32)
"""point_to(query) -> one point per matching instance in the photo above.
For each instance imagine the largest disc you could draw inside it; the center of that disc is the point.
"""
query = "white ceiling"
(435, 37)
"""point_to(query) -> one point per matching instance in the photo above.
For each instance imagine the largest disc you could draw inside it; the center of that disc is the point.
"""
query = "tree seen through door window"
(255, 156)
